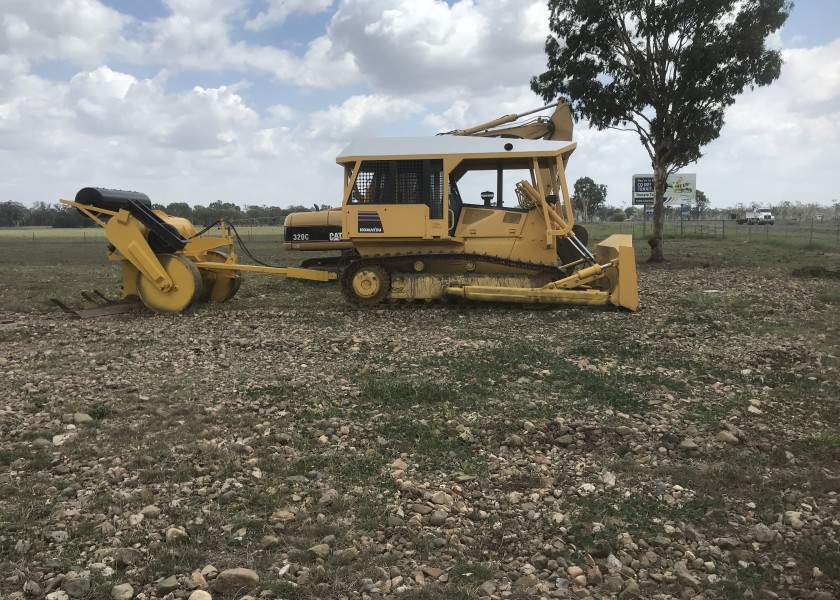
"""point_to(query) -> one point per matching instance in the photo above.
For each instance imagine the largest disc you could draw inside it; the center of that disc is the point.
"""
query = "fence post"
(811, 237)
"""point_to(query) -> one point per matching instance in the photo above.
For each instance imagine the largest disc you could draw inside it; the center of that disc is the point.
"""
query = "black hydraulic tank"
(110, 199)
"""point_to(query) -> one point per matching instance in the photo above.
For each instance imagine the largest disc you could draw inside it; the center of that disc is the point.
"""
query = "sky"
(250, 101)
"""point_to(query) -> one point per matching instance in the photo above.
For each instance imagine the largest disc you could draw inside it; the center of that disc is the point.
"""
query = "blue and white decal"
(369, 222)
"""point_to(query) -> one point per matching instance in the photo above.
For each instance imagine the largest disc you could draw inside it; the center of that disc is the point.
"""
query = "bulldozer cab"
(409, 188)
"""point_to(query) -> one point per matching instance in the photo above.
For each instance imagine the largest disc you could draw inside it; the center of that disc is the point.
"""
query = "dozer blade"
(612, 280)
(100, 307)
(620, 281)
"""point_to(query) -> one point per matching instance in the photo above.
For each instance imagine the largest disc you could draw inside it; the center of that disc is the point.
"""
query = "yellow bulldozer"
(407, 232)
(406, 229)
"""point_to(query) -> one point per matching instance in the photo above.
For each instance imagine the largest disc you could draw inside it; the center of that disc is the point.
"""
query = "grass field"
(691, 449)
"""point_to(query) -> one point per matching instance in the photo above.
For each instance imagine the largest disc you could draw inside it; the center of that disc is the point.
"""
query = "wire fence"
(47, 235)
(801, 234)
(810, 233)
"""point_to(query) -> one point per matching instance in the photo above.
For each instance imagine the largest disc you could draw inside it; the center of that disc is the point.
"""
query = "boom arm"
(558, 126)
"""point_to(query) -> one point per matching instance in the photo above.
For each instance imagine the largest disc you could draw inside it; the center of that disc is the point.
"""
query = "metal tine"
(87, 297)
(104, 297)
(63, 306)
(101, 309)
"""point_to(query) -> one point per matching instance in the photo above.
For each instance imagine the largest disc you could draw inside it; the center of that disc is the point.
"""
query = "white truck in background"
(757, 216)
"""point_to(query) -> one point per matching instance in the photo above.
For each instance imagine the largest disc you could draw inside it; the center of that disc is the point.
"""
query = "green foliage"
(829, 297)
(16, 214)
(825, 445)
(100, 410)
(405, 392)
(701, 203)
(12, 214)
(467, 577)
(588, 197)
(179, 209)
(665, 70)
(67, 216)
(205, 215)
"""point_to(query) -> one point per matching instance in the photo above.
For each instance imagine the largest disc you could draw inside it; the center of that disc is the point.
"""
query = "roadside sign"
(642, 189)
(648, 213)
(681, 188)
(686, 212)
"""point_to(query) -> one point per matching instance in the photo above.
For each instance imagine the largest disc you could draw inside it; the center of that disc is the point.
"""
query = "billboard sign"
(681, 188)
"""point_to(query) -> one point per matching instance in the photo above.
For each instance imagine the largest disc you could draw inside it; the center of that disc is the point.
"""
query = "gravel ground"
(303, 449)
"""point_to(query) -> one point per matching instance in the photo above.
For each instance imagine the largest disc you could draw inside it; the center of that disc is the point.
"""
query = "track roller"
(365, 284)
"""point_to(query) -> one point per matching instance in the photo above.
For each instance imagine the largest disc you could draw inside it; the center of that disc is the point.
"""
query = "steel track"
(383, 260)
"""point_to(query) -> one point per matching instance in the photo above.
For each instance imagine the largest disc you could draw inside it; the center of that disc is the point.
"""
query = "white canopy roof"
(450, 144)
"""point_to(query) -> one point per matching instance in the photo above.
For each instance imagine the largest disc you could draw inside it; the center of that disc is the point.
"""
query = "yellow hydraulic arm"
(559, 126)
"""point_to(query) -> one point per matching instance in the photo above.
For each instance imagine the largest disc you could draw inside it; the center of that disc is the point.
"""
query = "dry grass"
(224, 415)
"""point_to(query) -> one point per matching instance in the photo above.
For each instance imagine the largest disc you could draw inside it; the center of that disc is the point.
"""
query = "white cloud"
(781, 142)
(279, 10)
(416, 68)
(207, 10)
(324, 66)
(426, 47)
(282, 112)
(360, 116)
(110, 128)
(198, 36)
(83, 31)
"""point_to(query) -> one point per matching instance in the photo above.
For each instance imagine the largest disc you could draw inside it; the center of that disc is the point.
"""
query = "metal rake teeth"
(100, 306)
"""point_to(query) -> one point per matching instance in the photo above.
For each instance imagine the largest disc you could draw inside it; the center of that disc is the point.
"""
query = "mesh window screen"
(401, 182)
(371, 183)
(434, 177)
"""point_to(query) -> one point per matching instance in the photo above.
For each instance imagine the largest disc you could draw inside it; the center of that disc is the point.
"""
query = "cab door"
(395, 199)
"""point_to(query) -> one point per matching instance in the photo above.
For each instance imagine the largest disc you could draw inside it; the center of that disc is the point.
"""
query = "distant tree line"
(588, 202)
(252, 215)
(41, 214)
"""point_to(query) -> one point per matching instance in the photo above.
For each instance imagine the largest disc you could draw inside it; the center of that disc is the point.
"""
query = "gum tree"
(664, 69)
(588, 197)
(701, 203)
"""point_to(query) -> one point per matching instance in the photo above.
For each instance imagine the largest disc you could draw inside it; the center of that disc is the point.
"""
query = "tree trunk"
(660, 177)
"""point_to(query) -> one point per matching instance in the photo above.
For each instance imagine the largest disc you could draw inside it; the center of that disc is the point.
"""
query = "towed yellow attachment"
(611, 280)
(166, 263)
